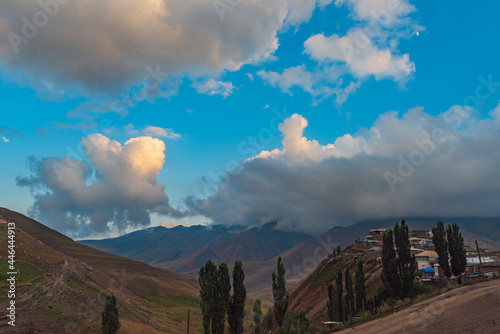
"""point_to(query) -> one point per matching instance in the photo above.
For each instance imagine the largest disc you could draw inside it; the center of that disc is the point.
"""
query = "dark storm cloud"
(414, 165)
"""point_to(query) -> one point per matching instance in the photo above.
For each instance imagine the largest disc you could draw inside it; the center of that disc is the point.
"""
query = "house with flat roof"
(426, 259)
(421, 242)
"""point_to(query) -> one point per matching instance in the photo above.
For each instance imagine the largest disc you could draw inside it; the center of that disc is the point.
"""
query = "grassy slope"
(310, 292)
(70, 295)
(159, 281)
(26, 271)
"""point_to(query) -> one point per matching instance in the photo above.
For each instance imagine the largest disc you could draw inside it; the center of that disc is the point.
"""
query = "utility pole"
(480, 262)
(188, 319)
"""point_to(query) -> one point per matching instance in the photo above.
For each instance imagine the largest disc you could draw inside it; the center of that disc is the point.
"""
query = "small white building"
(475, 260)
(421, 242)
(426, 259)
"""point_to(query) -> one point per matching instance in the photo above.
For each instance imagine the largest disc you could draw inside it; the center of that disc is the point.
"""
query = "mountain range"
(160, 244)
(259, 247)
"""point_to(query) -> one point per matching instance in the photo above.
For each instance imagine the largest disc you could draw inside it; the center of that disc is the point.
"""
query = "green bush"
(296, 323)
(420, 289)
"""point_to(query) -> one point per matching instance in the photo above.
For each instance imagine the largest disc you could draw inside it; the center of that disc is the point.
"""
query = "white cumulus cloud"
(319, 83)
(368, 49)
(361, 56)
(155, 131)
(296, 147)
(214, 87)
(387, 11)
(116, 189)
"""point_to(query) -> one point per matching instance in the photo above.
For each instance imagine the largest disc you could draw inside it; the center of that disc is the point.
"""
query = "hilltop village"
(479, 260)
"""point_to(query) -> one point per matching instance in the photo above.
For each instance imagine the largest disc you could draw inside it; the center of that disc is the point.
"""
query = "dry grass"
(70, 296)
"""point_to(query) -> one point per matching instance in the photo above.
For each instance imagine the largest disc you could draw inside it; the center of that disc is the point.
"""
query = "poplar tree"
(329, 303)
(360, 287)
(214, 296)
(441, 248)
(208, 287)
(279, 293)
(398, 272)
(236, 309)
(406, 263)
(110, 322)
(389, 265)
(269, 319)
(339, 289)
(257, 315)
(349, 293)
(223, 294)
(456, 249)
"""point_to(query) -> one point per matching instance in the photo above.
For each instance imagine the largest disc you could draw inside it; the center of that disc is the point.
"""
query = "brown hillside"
(471, 309)
(310, 292)
(69, 295)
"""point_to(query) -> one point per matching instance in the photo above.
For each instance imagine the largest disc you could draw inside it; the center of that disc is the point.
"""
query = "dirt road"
(470, 309)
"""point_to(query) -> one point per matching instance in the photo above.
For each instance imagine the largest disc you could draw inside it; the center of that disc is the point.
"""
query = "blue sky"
(226, 82)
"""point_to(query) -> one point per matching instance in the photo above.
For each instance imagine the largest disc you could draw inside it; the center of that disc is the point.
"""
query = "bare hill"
(71, 281)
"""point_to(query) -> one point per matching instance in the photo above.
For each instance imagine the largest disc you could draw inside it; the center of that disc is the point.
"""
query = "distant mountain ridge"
(185, 249)
(256, 244)
(160, 244)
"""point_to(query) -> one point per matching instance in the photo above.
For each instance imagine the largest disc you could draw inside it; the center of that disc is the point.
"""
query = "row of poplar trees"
(217, 301)
(342, 306)
(398, 272)
(449, 244)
